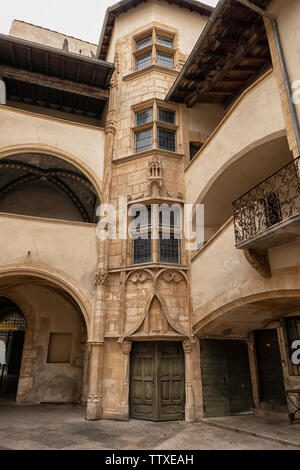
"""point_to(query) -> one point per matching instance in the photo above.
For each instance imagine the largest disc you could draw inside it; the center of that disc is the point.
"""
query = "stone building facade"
(179, 104)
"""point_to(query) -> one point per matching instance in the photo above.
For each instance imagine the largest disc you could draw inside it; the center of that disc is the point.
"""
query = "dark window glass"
(143, 140)
(165, 115)
(143, 61)
(143, 43)
(167, 42)
(166, 140)
(169, 216)
(169, 249)
(142, 117)
(293, 334)
(165, 60)
(142, 252)
(194, 149)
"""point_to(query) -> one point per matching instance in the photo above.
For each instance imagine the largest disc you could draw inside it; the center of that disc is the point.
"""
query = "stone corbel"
(259, 260)
(94, 398)
(101, 277)
(126, 347)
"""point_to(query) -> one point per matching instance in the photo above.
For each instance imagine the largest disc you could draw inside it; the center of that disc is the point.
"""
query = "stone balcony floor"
(63, 427)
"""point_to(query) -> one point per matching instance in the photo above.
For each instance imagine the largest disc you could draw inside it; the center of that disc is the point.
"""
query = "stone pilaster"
(189, 403)
(94, 401)
(124, 408)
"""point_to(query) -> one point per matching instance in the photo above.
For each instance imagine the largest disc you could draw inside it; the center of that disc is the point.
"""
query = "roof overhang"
(50, 77)
(121, 7)
(231, 53)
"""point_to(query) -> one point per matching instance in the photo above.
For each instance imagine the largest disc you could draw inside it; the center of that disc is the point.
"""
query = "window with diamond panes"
(169, 248)
(143, 117)
(143, 43)
(166, 139)
(143, 61)
(165, 60)
(165, 115)
(143, 140)
(162, 41)
(142, 248)
(144, 57)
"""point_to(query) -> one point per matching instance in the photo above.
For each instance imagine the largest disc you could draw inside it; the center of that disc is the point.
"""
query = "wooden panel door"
(269, 367)
(171, 381)
(157, 384)
(142, 383)
(226, 380)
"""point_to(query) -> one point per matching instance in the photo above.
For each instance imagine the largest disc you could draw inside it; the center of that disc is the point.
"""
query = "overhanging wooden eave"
(230, 54)
(49, 77)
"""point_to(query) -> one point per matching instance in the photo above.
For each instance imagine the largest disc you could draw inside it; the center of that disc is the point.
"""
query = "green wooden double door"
(157, 381)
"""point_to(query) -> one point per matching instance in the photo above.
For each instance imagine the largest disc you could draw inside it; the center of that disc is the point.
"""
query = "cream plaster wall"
(221, 275)
(66, 248)
(164, 13)
(256, 118)
(204, 118)
(287, 15)
(45, 36)
(84, 143)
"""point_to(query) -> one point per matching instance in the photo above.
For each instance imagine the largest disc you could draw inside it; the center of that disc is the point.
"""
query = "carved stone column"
(189, 403)
(85, 374)
(94, 401)
(124, 408)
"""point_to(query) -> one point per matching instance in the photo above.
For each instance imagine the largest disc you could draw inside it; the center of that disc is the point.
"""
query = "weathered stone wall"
(30, 32)
(47, 312)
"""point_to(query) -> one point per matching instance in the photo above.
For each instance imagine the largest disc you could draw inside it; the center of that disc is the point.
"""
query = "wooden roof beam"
(53, 82)
(229, 65)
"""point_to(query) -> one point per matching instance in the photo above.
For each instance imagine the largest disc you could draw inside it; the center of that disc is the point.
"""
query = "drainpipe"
(287, 84)
(2, 92)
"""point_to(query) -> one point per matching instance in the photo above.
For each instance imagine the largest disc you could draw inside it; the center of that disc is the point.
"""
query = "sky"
(81, 19)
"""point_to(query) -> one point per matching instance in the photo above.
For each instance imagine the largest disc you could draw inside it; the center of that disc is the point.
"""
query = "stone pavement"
(63, 427)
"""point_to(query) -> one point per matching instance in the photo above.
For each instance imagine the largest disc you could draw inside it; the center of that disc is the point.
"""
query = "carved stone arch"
(155, 321)
(167, 321)
(9, 275)
(77, 162)
(139, 275)
(171, 275)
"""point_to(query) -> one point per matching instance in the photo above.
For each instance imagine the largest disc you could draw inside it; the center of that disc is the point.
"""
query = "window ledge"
(151, 68)
(150, 153)
(151, 264)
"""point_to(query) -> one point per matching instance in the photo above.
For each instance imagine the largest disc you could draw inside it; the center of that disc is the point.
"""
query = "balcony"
(269, 214)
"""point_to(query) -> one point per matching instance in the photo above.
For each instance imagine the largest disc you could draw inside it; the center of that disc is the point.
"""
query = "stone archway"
(48, 186)
(54, 365)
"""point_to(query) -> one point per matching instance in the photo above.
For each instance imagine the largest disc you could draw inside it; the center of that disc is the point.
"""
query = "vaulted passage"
(46, 361)
(12, 332)
(157, 385)
(45, 186)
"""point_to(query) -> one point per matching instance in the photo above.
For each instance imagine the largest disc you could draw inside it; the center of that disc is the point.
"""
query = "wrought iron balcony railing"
(274, 200)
